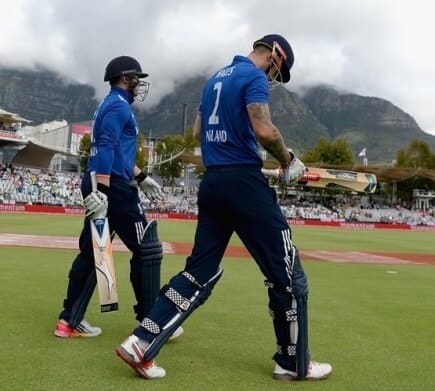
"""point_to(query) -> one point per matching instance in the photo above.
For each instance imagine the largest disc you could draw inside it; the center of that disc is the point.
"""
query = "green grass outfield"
(374, 323)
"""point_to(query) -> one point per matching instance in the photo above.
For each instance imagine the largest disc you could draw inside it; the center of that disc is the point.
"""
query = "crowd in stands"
(31, 186)
(175, 201)
(388, 215)
(27, 186)
(8, 127)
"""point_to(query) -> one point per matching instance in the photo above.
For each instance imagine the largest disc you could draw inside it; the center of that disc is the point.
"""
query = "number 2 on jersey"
(214, 118)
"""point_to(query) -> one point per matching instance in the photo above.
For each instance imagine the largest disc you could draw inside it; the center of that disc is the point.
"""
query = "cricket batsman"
(235, 197)
(112, 159)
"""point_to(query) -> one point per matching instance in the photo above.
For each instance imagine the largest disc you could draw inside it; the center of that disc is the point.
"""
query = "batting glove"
(150, 187)
(294, 171)
(96, 205)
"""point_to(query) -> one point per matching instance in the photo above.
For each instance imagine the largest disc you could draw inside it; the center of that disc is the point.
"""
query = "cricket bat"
(333, 179)
(103, 255)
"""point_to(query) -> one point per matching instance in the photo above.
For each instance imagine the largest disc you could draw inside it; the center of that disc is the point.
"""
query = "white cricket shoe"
(132, 353)
(179, 331)
(316, 371)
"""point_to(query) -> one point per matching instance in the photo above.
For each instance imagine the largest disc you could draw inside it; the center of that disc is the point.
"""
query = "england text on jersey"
(216, 136)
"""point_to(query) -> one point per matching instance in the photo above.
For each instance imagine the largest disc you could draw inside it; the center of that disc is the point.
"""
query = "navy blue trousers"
(126, 218)
(240, 200)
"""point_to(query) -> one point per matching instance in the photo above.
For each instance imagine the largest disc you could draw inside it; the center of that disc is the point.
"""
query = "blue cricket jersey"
(227, 137)
(114, 136)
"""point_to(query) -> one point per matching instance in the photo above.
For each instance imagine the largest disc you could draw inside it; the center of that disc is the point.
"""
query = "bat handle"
(271, 173)
(93, 181)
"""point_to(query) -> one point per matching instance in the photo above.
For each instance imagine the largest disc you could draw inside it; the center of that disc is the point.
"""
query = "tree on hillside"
(141, 161)
(417, 155)
(190, 142)
(169, 146)
(84, 149)
(336, 152)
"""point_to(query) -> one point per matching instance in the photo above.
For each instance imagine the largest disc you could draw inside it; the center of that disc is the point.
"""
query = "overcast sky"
(380, 48)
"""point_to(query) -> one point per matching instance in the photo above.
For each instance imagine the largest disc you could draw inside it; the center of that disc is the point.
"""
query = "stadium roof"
(11, 118)
(36, 155)
(30, 153)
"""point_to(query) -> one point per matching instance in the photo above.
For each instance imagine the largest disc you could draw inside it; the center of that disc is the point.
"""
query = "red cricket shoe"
(84, 329)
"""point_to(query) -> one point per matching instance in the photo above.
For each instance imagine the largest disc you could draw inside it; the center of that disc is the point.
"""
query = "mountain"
(43, 96)
(168, 116)
(320, 112)
(292, 116)
(365, 122)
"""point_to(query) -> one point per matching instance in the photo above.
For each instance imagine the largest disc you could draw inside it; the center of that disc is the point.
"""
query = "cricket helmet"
(279, 45)
(123, 65)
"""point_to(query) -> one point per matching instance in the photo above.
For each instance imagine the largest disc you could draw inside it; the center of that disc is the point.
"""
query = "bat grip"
(94, 181)
(272, 173)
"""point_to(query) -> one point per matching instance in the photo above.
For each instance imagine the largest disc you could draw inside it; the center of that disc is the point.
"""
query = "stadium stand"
(22, 183)
(33, 186)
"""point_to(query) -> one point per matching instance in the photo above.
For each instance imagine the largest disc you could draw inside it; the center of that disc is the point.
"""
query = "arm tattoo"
(261, 113)
(277, 148)
(274, 144)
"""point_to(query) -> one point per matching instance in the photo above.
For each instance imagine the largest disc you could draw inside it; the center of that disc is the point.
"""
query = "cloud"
(377, 48)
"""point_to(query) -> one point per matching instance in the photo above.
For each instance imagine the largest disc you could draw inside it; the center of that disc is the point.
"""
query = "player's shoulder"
(116, 101)
(115, 106)
(241, 68)
(116, 98)
(245, 64)
(248, 71)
